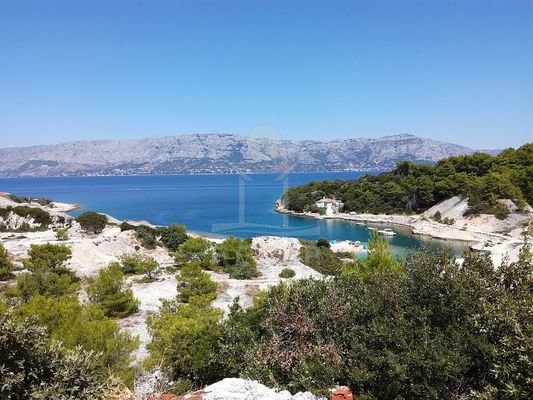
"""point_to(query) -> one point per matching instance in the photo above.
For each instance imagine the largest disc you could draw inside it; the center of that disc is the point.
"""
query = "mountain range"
(219, 153)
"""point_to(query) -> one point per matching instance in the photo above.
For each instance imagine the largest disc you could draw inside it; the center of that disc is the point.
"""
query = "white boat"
(387, 232)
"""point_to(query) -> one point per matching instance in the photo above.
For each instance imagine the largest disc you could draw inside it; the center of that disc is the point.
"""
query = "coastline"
(481, 232)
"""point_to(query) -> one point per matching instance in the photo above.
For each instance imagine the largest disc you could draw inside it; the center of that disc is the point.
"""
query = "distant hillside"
(484, 179)
(219, 153)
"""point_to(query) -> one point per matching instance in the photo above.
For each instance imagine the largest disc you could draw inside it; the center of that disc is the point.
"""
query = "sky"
(458, 71)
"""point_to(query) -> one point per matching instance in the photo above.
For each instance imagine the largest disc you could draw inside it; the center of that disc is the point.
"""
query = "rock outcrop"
(239, 389)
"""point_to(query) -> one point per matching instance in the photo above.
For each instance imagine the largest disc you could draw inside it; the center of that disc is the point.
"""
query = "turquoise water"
(239, 205)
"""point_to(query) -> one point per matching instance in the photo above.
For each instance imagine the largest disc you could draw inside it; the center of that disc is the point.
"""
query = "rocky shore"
(500, 238)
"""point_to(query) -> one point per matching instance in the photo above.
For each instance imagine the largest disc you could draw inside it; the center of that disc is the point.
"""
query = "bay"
(216, 205)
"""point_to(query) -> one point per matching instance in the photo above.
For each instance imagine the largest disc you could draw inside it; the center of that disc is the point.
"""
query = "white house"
(332, 206)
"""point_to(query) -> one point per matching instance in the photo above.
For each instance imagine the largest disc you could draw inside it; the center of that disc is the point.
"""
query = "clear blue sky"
(460, 71)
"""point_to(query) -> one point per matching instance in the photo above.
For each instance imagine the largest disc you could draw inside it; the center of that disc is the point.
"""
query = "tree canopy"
(92, 222)
(409, 187)
(110, 291)
(5, 264)
(434, 328)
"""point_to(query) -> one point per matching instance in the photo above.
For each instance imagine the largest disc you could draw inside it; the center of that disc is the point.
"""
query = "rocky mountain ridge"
(219, 153)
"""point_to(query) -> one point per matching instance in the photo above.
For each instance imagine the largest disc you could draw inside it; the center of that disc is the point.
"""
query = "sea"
(241, 205)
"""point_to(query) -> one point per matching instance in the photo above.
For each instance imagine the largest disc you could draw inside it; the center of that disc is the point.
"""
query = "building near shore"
(332, 206)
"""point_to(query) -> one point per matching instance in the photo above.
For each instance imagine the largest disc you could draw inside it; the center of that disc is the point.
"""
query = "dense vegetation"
(423, 328)
(110, 291)
(47, 274)
(74, 347)
(32, 367)
(235, 256)
(137, 264)
(39, 216)
(42, 201)
(321, 259)
(171, 236)
(6, 266)
(92, 222)
(482, 178)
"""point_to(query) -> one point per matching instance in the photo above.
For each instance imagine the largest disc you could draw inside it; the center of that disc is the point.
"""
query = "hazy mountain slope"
(218, 153)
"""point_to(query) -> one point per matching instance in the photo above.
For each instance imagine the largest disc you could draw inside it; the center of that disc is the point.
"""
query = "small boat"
(387, 232)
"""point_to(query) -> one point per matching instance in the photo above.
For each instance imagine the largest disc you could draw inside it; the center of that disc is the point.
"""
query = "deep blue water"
(214, 204)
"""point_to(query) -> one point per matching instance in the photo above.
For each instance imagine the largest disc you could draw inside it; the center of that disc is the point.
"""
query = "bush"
(321, 259)
(500, 210)
(31, 367)
(184, 343)
(62, 234)
(110, 291)
(136, 264)
(40, 216)
(195, 249)
(437, 216)
(323, 242)
(75, 324)
(287, 273)
(379, 259)
(147, 236)
(235, 256)
(436, 330)
(5, 264)
(43, 201)
(92, 222)
(194, 285)
(45, 283)
(126, 226)
(48, 257)
(48, 274)
(173, 236)
(448, 221)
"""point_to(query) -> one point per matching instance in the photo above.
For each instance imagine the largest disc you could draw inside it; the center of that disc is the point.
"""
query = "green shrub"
(92, 222)
(45, 283)
(40, 217)
(75, 324)
(448, 221)
(287, 273)
(184, 342)
(499, 210)
(235, 256)
(436, 330)
(31, 367)
(26, 199)
(62, 234)
(323, 242)
(321, 259)
(147, 236)
(110, 291)
(379, 259)
(195, 249)
(194, 285)
(126, 226)
(47, 257)
(6, 266)
(437, 216)
(48, 274)
(137, 264)
(173, 236)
